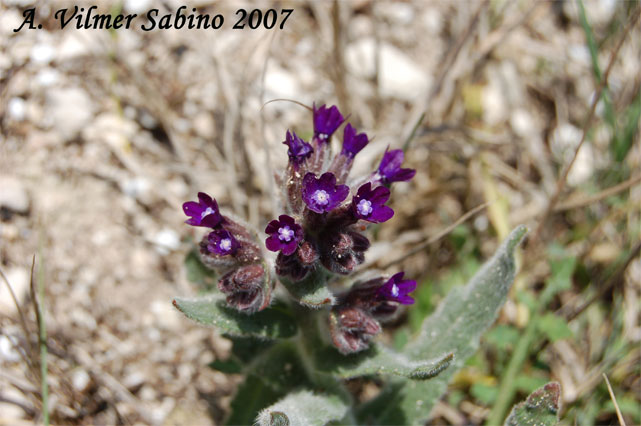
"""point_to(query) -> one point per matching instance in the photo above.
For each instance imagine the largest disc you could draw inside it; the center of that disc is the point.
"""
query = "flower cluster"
(232, 250)
(318, 238)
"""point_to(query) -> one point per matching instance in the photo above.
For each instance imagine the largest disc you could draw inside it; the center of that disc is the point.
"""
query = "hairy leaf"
(252, 396)
(540, 408)
(456, 326)
(312, 291)
(379, 360)
(198, 273)
(273, 322)
(303, 408)
(270, 376)
(245, 349)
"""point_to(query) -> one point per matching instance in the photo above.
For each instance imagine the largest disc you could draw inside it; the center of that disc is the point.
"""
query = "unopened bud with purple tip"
(326, 122)
(353, 143)
(298, 151)
(390, 168)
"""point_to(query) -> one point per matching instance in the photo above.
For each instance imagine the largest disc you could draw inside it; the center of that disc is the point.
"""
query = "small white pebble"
(17, 109)
(166, 240)
(7, 351)
(80, 380)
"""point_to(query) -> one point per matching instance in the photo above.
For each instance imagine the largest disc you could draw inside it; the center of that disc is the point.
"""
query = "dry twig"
(536, 236)
(614, 401)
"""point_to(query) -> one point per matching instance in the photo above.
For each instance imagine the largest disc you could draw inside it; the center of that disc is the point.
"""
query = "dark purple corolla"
(322, 195)
(396, 290)
(326, 121)
(353, 143)
(299, 150)
(222, 242)
(390, 168)
(369, 204)
(284, 235)
(204, 212)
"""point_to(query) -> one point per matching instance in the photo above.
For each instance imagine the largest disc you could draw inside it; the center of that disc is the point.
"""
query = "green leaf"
(246, 349)
(280, 367)
(228, 366)
(270, 376)
(303, 408)
(527, 383)
(273, 322)
(252, 396)
(379, 360)
(503, 336)
(623, 140)
(430, 291)
(312, 291)
(562, 268)
(198, 273)
(456, 326)
(540, 408)
(486, 394)
(554, 327)
(596, 69)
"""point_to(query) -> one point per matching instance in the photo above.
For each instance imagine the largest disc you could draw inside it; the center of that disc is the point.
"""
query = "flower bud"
(342, 252)
(380, 296)
(384, 311)
(291, 266)
(352, 329)
(248, 288)
(307, 254)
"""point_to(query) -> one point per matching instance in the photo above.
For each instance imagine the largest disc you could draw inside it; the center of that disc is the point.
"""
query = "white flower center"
(321, 197)
(225, 244)
(207, 212)
(364, 207)
(395, 290)
(285, 233)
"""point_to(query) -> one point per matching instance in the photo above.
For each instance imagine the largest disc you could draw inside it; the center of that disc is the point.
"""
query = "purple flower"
(284, 235)
(322, 195)
(326, 121)
(396, 290)
(352, 142)
(222, 242)
(369, 204)
(390, 168)
(299, 150)
(204, 212)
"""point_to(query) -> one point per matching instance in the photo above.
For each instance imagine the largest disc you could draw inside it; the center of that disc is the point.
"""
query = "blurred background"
(511, 111)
